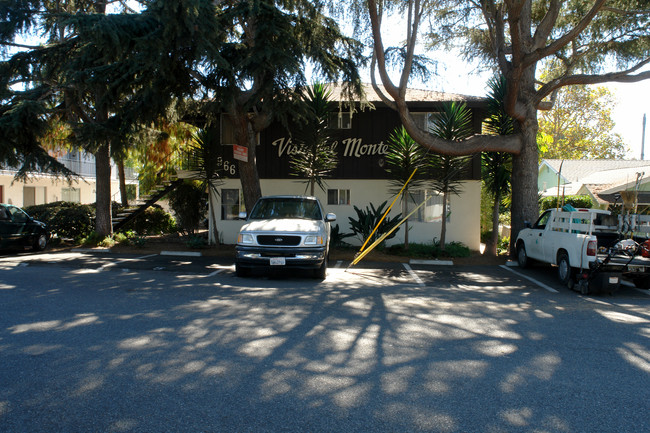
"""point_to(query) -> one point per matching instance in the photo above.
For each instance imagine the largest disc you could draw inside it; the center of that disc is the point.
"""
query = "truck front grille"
(280, 240)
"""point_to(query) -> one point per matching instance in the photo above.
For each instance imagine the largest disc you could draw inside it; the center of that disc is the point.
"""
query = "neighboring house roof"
(573, 170)
(412, 95)
(601, 179)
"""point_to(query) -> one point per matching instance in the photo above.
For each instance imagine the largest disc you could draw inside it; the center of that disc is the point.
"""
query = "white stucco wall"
(465, 210)
(13, 191)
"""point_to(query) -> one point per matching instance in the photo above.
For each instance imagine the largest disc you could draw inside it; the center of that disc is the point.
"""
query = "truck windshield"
(541, 222)
(273, 208)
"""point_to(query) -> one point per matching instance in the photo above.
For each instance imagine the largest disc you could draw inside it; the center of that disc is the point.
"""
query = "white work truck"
(592, 249)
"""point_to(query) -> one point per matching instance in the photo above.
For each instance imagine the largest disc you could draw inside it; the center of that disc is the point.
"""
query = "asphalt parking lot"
(96, 342)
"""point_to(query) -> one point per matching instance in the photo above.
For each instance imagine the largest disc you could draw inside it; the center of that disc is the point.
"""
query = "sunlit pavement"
(97, 343)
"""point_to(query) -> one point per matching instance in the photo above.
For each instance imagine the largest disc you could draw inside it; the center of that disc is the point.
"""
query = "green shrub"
(432, 250)
(189, 202)
(73, 222)
(196, 242)
(367, 221)
(336, 237)
(457, 249)
(65, 219)
(503, 247)
(138, 241)
(577, 201)
(120, 238)
(92, 240)
(153, 221)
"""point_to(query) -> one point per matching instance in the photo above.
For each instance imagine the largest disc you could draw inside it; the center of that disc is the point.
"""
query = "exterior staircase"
(144, 202)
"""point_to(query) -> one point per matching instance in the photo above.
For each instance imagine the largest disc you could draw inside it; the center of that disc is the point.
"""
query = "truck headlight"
(313, 240)
(245, 238)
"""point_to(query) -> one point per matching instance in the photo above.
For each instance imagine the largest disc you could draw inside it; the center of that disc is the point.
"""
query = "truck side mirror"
(330, 217)
(527, 225)
(242, 215)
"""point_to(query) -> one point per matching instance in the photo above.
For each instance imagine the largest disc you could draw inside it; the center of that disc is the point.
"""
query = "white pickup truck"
(589, 248)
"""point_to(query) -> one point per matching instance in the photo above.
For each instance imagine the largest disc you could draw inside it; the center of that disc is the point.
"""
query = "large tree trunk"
(443, 228)
(213, 233)
(491, 248)
(524, 181)
(122, 178)
(525, 206)
(103, 225)
(250, 180)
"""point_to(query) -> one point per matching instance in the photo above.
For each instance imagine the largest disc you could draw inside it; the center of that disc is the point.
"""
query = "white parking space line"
(218, 271)
(109, 265)
(539, 283)
(413, 274)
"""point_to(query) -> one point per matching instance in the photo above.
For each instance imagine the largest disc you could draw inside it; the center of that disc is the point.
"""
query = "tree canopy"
(594, 41)
(580, 126)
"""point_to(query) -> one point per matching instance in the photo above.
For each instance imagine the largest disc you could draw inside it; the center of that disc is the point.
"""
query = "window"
(228, 131)
(424, 120)
(232, 202)
(338, 196)
(340, 120)
(72, 195)
(431, 211)
(33, 195)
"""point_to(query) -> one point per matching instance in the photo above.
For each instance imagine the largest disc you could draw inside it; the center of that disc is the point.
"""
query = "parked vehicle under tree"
(19, 230)
(284, 232)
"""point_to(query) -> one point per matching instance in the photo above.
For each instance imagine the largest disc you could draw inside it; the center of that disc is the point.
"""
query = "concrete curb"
(431, 262)
(181, 253)
(91, 250)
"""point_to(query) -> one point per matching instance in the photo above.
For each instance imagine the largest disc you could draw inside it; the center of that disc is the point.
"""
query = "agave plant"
(367, 220)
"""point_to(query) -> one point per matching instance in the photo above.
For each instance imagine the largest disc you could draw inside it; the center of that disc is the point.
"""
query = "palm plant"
(204, 157)
(496, 167)
(454, 122)
(404, 157)
(315, 158)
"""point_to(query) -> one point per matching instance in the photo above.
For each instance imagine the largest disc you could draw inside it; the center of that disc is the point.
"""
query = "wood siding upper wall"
(361, 149)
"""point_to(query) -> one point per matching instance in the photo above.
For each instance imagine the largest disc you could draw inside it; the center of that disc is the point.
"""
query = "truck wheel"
(321, 272)
(522, 257)
(564, 270)
(241, 271)
(641, 282)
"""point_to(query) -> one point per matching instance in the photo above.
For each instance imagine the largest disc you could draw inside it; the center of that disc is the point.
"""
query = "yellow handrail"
(387, 210)
(360, 255)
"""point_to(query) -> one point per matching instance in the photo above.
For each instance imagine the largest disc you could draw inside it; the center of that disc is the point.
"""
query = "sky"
(633, 100)
(456, 76)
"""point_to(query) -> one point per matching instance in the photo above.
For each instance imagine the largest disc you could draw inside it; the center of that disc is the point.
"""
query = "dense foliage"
(577, 201)
(189, 203)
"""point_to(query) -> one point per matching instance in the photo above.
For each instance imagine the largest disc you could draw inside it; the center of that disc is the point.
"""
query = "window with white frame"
(72, 195)
(338, 196)
(228, 131)
(340, 120)
(431, 211)
(232, 202)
